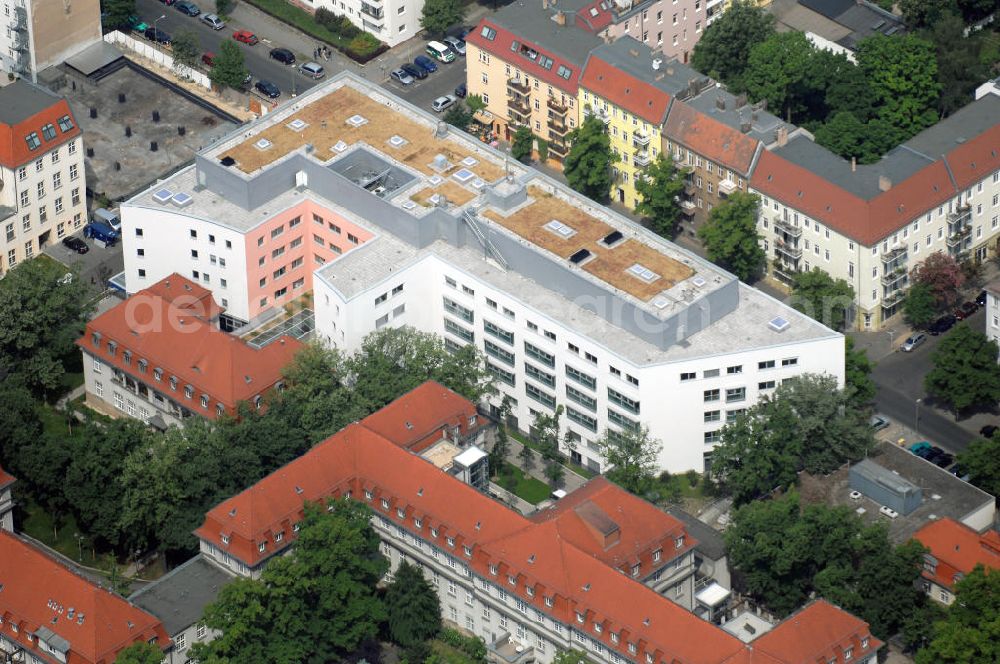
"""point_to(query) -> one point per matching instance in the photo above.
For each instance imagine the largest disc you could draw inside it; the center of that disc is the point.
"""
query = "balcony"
(516, 85)
(956, 238)
(688, 208)
(558, 129)
(558, 150)
(639, 139)
(891, 300)
(784, 272)
(641, 158)
(689, 187)
(600, 114)
(788, 228)
(788, 249)
(506, 650)
(895, 279)
(371, 10)
(727, 187)
(556, 107)
(895, 259)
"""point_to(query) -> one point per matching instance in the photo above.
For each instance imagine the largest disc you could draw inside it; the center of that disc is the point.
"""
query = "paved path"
(571, 481)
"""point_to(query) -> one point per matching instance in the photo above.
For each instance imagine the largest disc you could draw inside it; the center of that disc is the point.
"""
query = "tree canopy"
(115, 14)
(520, 147)
(731, 238)
(920, 307)
(807, 424)
(439, 15)
(588, 165)
(782, 552)
(633, 457)
(902, 75)
(820, 296)
(314, 605)
(779, 70)
(943, 277)
(858, 375)
(724, 48)
(412, 607)
(228, 68)
(970, 631)
(981, 460)
(660, 190)
(965, 374)
(184, 48)
(140, 653)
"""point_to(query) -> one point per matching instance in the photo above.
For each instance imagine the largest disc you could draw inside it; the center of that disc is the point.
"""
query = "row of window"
(737, 369)
(22, 172)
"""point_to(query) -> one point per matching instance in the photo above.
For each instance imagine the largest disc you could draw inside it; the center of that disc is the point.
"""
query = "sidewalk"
(570, 482)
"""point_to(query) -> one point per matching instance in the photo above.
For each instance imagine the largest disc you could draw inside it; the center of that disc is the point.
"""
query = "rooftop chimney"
(545, 4)
(854, 164)
(560, 18)
(720, 103)
(657, 62)
(884, 183)
(781, 136)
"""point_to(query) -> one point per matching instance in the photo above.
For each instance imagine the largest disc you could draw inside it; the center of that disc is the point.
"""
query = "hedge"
(303, 20)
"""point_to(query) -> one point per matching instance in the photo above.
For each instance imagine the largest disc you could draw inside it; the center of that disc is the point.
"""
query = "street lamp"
(79, 544)
(916, 417)
(162, 16)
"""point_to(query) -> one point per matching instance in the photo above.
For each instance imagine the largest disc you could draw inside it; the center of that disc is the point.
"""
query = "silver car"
(443, 103)
(213, 21)
(312, 70)
(401, 76)
(455, 44)
(913, 341)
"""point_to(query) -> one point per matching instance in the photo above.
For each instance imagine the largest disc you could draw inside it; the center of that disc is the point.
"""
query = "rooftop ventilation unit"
(227, 161)
(397, 141)
(579, 256)
(357, 120)
(560, 229)
(612, 237)
(855, 495)
(163, 196)
(440, 163)
(339, 146)
(479, 183)
(181, 199)
(699, 281)
(778, 324)
(660, 302)
(408, 205)
(464, 175)
(435, 180)
(262, 144)
(297, 125)
(469, 162)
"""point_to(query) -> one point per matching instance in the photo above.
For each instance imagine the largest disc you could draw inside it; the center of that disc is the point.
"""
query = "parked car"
(878, 422)
(443, 103)
(402, 76)
(167, 2)
(208, 59)
(425, 63)
(455, 44)
(213, 21)
(75, 244)
(414, 71)
(921, 449)
(283, 55)
(461, 91)
(312, 70)
(246, 37)
(186, 7)
(157, 35)
(268, 89)
(101, 232)
(940, 458)
(942, 325)
(959, 471)
(988, 430)
(981, 298)
(966, 310)
(913, 341)
(440, 51)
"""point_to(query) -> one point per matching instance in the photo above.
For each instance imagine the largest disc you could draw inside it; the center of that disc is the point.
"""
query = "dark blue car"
(425, 63)
(414, 71)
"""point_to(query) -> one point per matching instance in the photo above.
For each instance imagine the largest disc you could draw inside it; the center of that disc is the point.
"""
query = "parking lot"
(95, 266)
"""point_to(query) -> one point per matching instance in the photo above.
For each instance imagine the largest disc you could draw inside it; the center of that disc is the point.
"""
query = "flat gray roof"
(20, 100)
(179, 598)
(534, 22)
(710, 541)
(944, 495)
(763, 125)
(964, 124)
(635, 58)
(95, 57)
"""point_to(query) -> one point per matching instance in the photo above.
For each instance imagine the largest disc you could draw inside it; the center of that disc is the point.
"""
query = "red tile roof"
(977, 158)
(551, 554)
(166, 326)
(625, 91)
(957, 549)
(38, 592)
(710, 138)
(14, 150)
(6, 478)
(500, 47)
(594, 17)
(421, 417)
(820, 632)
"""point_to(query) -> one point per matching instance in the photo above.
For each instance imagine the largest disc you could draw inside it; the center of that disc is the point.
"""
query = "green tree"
(660, 190)
(588, 165)
(902, 73)
(115, 14)
(245, 617)
(981, 460)
(731, 238)
(569, 657)
(439, 15)
(846, 88)
(475, 103)
(942, 275)
(858, 375)
(958, 58)
(926, 13)
(847, 136)
(919, 306)
(457, 116)
(223, 7)
(965, 374)
(41, 316)
(229, 68)
(140, 653)
(724, 48)
(808, 424)
(520, 147)
(820, 296)
(970, 631)
(412, 607)
(185, 48)
(632, 457)
(779, 70)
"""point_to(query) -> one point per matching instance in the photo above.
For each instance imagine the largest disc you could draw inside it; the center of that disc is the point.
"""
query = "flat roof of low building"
(944, 495)
(179, 598)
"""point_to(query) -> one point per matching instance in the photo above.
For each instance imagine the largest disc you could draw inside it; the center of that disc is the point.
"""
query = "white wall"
(400, 19)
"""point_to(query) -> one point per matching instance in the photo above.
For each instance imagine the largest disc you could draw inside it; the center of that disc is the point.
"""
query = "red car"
(246, 37)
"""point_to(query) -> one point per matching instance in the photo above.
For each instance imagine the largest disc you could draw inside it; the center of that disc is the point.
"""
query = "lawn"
(524, 486)
(60, 535)
(303, 20)
(576, 468)
(449, 654)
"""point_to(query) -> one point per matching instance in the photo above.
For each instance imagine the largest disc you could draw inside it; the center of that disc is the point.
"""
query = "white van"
(439, 51)
(108, 217)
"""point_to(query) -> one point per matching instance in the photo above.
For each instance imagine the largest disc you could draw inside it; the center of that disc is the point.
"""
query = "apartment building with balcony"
(601, 571)
(525, 62)
(953, 551)
(160, 357)
(52, 615)
(41, 33)
(871, 224)
(993, 311)
(391, 21)
(42, 177)
(6, 501)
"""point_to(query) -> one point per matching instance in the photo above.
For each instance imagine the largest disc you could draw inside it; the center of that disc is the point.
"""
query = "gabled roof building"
(583, 573)
(954, 550)
(51, 615)
(160, 357)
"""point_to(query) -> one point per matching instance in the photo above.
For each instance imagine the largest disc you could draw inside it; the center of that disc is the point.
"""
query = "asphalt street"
(95, 266)
(900, 381)
(273, 34)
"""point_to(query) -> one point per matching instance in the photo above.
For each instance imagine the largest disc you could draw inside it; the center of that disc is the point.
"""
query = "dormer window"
(848, 654)
(157, 374)
(632, 648)
(401, 513)
(368, 495)
(493, 570)
(258, 402)
(598, 628)
(579, 618)
(434, 533)
(220, 409)
(512, 580)
(657, 555)
(649, 658)
(279, 536)
(385, 503)
(467, 551)
(225, 539)
(204, 401)
(418, 523)
(614, 637)
(679, 542)
(142, 366)
(530, 591)
(262, 546)
(173, 383)
(188, 391)
(864, 643)
(127, 357)
(295, 528)
(451, 542)
(95, 339)
(112, 347)
(549, 601)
